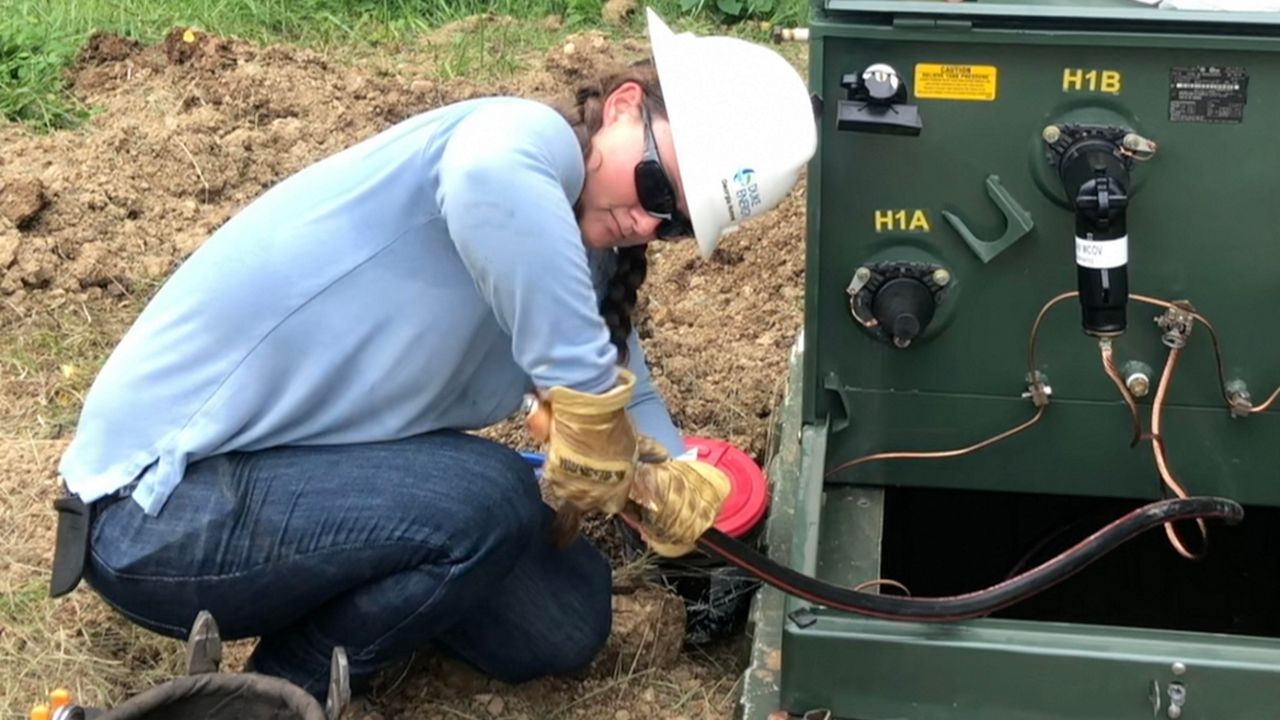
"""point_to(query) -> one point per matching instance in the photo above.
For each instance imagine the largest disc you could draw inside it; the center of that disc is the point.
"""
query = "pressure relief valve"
(1094, 164)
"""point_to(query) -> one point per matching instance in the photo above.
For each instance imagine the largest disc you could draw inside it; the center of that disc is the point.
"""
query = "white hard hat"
(742, 123)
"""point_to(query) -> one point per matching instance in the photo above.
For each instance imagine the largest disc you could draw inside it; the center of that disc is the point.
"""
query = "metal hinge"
(919, 23)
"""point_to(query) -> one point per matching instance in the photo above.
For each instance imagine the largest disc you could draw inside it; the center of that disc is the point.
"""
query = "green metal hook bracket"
(1018, 223)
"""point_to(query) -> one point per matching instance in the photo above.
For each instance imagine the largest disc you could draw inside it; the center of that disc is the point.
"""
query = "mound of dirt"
(189, 131)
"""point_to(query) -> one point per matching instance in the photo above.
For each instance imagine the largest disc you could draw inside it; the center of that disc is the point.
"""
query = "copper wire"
(1108, 359)
(1035, 331)
(1109, 364)
(939, 454)
(1217, 350)
(1162, 462)
(1213, 335)
(943, 454)
(882, 581)
(1266, 405)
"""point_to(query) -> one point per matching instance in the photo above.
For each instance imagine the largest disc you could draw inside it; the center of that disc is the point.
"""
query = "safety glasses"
(656, 192)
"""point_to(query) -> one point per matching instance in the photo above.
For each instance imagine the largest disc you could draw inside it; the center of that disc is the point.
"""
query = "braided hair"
(586, 117)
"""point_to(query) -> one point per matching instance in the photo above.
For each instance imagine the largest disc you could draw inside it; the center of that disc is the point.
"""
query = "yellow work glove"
(678, 500)
(650, 450)
(592, 446)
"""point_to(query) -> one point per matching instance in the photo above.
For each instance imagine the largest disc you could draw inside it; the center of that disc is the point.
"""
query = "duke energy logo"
(747, 192)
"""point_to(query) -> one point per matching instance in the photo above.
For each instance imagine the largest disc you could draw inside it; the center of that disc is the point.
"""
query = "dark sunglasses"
(656, 192)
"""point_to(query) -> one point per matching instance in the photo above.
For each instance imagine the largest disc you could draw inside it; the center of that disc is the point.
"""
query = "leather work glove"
(592, 451)
(677, 500)
(651, 451)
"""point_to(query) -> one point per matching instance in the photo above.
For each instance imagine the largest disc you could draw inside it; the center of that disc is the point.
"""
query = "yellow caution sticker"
(936, 81)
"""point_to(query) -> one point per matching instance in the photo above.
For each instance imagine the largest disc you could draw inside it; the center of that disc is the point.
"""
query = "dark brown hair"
(586, 116)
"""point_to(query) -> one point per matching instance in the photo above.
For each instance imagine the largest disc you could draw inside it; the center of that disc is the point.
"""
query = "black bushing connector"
(903, 307)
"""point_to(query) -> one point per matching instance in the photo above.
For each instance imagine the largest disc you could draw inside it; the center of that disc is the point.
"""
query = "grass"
(74, 642)
(39, 39)
(48, 359)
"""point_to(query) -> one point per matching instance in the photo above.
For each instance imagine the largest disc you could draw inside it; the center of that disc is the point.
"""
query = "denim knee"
(592, 633)
(579, 638)
(506, 493)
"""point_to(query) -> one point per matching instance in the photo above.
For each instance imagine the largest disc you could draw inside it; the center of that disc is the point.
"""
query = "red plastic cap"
(749, 496)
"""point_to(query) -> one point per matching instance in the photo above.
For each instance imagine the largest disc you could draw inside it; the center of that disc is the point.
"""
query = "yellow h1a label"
(901, 221)
(955, 82)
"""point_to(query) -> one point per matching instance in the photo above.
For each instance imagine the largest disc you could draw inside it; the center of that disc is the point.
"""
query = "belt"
(71, 544)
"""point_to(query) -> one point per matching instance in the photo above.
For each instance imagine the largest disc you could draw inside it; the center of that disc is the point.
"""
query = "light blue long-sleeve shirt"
(426, 278)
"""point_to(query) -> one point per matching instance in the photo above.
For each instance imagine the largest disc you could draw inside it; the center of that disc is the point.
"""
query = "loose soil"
(186, 133)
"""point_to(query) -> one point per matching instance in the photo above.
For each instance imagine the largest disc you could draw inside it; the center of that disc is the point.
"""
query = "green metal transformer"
(1018, 214)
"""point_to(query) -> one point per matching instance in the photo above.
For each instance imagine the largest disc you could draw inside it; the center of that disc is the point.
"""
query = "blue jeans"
(382, 549)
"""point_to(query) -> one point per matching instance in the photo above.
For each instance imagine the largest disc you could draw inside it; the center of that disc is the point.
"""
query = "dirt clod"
(183, 45)
(581, 56)
(616, 12)
(648, 630)
(21, 200)
(104, 47)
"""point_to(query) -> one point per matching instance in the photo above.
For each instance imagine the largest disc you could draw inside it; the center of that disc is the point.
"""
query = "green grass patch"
(39, 39)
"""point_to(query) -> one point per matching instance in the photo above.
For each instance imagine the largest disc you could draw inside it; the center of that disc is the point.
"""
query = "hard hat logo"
(748, 192)
(739, 153)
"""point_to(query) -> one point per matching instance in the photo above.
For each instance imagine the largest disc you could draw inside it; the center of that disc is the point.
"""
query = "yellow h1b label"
(901, 221)
(955, 82)
(1090, 80)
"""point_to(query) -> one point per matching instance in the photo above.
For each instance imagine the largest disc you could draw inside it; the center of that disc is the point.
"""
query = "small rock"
(420, 87)
(156, 266)
(648, 630)
(34, 275)
(22, 200)
(188, 242)
(8, 250)
(495, 705)
(622, 715)
(616, 12)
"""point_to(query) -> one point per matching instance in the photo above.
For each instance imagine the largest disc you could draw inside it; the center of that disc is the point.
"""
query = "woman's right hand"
(592, 446)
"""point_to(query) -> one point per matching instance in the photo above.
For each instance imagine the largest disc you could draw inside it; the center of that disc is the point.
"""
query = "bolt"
(1238, 398)
(1177, 698)
(1139, 384)
(1051, 134)
(1178, 668)
(1138, 144)
(862, 274)
(941, 277)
